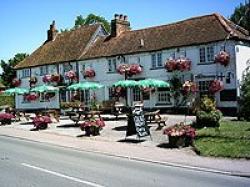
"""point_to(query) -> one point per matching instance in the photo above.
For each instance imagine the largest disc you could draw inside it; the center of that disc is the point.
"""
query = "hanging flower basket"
(33, 81)
(47, 78)
(181, 64)
(215, 86)
(189, 87)
(71, 75)
(31, 97)
(55, 78)
(50, 95)
(89, 73)
(180, 135)
(16, 82)
(130, 69)
(223, 58)
(119, 92)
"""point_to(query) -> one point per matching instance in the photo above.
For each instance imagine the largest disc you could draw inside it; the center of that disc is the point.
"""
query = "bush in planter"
(208, 115)
(41, 122)
(180, 135)
(5, 118)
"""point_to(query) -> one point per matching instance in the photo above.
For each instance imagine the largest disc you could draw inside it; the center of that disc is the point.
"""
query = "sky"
(24, 23)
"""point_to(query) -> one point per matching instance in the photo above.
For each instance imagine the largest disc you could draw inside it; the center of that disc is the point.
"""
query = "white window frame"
(163, 97)
(206, 54)
(26, 73)
(44, 70)
(112, 65)
(156, 60)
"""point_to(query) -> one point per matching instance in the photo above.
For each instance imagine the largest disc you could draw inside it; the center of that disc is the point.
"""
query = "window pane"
(202, 54)
(153, 60)
(159, 60)
(210, 54)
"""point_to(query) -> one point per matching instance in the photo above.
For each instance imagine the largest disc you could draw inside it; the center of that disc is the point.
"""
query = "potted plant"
(223, 58)
(41, 122)
(130, 69)
(181, 64)
(180, 135)
(5, 118)
(92, 126)
(16, 82)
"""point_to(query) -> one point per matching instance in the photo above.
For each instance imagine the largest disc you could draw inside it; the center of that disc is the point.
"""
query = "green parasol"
(44, 88)
(13, 91)
(126, 83)
(153, 83)
(85, 86)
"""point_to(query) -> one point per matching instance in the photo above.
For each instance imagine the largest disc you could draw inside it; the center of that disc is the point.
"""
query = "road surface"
(26, 163)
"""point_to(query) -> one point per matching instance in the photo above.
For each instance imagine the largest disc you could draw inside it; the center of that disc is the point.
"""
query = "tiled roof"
(67, 46)
(71, 45)
(194, 31)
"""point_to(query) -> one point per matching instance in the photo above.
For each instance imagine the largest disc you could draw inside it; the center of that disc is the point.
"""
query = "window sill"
(163, 104)
(111, 72)
(205, 63)
(156, 68)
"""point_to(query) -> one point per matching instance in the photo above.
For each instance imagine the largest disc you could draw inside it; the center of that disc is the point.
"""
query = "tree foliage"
(241, 16)
(8, 68)
(88, 20)
(245, 98)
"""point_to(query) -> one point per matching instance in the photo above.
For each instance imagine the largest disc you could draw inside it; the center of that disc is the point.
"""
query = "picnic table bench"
(155, 117)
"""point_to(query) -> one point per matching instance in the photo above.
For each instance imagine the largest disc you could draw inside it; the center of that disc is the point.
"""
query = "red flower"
(181, 64)
(16, 82)
(215, 86)
(89, 73)
(223, 58)
(189, 87)
(4, 116)
(47, 78)
(31, 97)
(131, 69)
(71, 75)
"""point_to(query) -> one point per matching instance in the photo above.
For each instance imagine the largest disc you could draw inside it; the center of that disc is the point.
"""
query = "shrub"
(245, 99)
(208, 115)
(7, 100)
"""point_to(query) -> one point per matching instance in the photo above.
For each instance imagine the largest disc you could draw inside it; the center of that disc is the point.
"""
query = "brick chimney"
(51, 33)
(119, 25)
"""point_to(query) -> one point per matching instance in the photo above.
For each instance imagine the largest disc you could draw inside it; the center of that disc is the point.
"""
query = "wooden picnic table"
(150, 116)
(76, 115)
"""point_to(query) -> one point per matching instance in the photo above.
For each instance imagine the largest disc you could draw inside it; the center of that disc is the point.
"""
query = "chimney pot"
(51, 33)
(121, 17)
(116, 16)
(125, 18)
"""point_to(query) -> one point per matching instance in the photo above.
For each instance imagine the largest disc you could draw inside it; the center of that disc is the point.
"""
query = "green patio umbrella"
(126, 83)
(153, 83)
(13, 91)
(85, 86)
(44, 88)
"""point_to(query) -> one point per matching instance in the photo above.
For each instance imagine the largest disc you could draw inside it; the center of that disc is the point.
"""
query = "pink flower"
(223, 58)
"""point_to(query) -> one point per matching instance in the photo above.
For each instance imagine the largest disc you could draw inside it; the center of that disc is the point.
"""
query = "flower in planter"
(89, 73)
(180, 135)
(41, 122)
(71, 75)
(33, 81)
(5, 118)
(16, 82)
(93, 126)
(215, 86)
(31, 97)
(181, 64)
(170, 65)
(223, 58)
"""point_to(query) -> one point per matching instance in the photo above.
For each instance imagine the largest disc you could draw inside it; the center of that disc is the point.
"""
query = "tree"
(8, 68)
(245, 98)
(241, 16)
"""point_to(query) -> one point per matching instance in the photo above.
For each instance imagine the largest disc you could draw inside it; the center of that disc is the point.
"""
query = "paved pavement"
(25, 163)
(111, 142)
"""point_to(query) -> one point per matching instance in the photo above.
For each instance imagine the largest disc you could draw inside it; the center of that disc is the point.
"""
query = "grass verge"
(232, 140)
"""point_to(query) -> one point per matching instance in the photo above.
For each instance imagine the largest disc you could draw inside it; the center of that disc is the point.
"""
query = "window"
(136, 94)
(112, 65)
(204, 87)
(206, 54)
(111, 93)
(25, 73)
(156, 60)
(44, 70)
(164, 96)
(228, 77)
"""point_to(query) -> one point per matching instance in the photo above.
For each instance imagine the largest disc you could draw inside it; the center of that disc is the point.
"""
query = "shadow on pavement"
(120, 128)
(68, 125)
(131, 140)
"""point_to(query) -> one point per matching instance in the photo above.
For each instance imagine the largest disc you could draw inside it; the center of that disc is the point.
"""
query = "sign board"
(137, 124)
